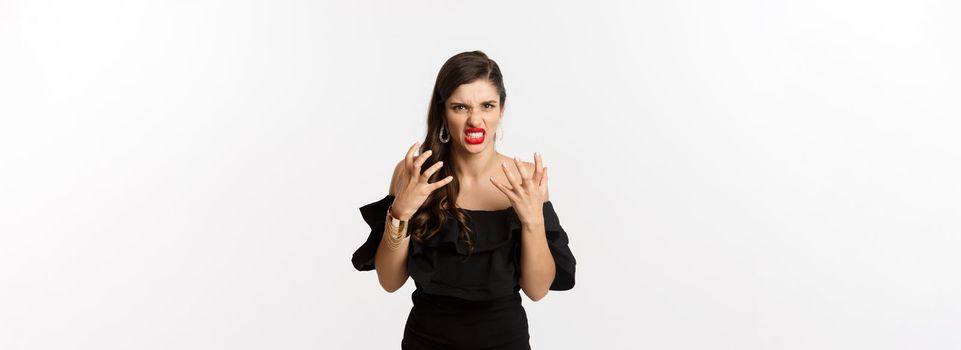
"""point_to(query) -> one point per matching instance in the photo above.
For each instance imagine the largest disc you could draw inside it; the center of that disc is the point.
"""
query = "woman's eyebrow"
(454, 103)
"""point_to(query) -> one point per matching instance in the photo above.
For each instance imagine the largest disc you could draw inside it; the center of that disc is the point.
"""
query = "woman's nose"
(473, 122)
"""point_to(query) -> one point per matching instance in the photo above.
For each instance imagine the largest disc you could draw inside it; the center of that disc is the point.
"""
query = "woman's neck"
(475, 167)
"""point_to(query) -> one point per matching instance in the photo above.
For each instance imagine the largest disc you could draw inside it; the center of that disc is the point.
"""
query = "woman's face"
(473, 111)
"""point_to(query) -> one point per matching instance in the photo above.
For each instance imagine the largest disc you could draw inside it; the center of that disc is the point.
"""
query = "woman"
(473, 229)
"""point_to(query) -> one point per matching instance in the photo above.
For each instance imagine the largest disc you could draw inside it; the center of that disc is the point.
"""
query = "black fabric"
(444, 322)
(456, 302)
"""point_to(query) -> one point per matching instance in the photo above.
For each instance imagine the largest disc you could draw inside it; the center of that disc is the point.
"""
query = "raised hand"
(414, 188)
(527, 194)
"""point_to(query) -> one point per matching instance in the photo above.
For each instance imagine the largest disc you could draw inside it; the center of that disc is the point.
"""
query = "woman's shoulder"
(528, 166)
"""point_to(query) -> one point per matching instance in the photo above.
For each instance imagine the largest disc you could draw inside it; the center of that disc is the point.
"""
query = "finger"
(510, 176)
(439, 183)
(522, 169)
(507, 192)
(421, 159)
(430, 171)
(409, 158)
(538, 168)
(543, 181)
(525, 179)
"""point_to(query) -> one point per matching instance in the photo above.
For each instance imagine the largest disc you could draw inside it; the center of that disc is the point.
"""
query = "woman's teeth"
(474, 137)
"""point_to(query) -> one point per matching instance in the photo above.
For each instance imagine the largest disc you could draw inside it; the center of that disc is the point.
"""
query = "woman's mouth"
(474, 136)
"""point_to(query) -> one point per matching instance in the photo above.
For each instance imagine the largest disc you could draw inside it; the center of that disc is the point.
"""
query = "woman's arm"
(391, 265)
(537, 262)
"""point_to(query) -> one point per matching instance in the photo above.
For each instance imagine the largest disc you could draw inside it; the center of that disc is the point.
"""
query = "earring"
(441, 136)
(500, 133)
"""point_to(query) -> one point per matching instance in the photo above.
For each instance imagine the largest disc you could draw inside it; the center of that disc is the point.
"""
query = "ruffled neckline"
(450, 232)
(549, 215)
(426, 257)
(510, 208)
(487, 211)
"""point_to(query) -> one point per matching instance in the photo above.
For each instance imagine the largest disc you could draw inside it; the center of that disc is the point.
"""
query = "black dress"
(474, 304)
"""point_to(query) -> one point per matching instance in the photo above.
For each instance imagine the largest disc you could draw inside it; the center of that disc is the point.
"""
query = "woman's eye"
(458, 107)
(489, 105)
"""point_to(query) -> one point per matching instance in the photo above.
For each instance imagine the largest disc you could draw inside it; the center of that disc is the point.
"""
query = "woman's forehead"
(475, 92)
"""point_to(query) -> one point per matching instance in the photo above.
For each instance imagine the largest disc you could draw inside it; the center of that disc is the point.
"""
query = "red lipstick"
(474, 136)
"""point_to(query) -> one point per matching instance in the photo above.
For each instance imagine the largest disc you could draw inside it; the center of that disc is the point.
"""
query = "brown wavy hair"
(462, 68)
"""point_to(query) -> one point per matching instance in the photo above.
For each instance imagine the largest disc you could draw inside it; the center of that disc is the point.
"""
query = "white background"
(732, 174)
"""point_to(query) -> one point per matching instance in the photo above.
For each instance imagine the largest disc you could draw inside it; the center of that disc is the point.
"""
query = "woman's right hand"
(414, 187)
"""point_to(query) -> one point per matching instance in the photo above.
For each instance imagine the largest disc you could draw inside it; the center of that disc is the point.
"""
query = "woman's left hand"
(528, 194)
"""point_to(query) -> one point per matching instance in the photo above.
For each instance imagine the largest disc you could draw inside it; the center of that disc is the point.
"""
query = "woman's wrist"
(395, 233)
(398, 214)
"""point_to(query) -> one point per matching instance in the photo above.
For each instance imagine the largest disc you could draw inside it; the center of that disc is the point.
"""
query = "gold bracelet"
(396, 233)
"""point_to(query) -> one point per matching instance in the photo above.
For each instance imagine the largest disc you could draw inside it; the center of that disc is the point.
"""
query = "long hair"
(462, 68)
